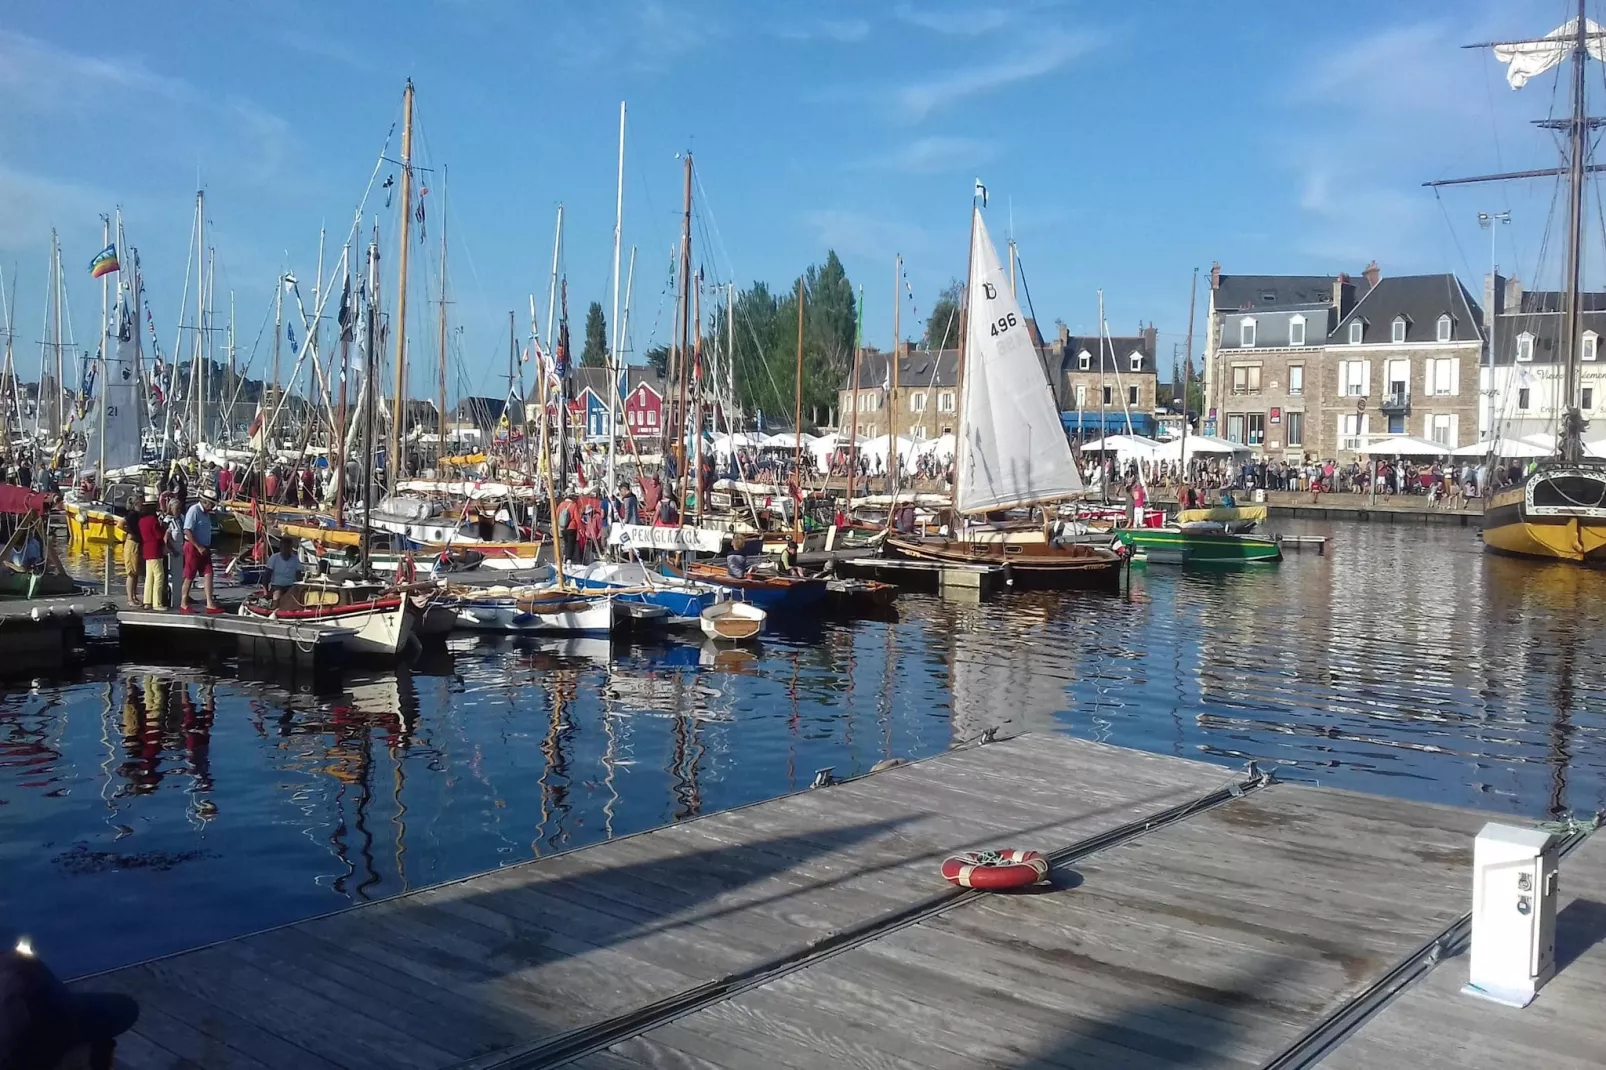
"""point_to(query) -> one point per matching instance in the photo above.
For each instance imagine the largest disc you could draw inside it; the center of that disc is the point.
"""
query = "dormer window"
(1525, 346)
(1356, 329)
(1397, 330)
(1137, 362)
(1590, 347)
(1246, 333)
(1084, 360)
(1296, 331)
(1444, 329)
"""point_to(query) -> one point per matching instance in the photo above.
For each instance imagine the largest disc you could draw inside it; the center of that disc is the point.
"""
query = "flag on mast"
(105, 262)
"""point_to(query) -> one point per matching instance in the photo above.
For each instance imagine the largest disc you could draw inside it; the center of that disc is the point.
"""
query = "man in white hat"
(198, 552)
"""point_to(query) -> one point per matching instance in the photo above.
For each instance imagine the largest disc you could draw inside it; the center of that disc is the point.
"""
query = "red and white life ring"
(994, 871)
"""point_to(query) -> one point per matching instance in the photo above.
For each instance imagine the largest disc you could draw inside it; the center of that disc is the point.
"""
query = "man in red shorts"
(198, 552)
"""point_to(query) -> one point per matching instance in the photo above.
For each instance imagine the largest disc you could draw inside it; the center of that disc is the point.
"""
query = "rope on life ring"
(994, 871)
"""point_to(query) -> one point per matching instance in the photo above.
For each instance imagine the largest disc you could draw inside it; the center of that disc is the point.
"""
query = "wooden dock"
(960, 580)
(307, 646)
(1198, 917)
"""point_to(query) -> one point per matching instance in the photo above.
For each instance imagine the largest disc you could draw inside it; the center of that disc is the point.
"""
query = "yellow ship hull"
(1551, 525)
(87, 525)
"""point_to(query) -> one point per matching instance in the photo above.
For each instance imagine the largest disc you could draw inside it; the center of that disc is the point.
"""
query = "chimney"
(1065, 335)
(1215, 275)
(1513, 301)
(1494, 298)
(1148, 343)
(1372, 273)
(1341, 287)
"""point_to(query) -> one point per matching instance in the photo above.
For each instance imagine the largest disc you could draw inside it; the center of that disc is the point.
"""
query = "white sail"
(119, 392)
(1533, 58)
(1012, 449)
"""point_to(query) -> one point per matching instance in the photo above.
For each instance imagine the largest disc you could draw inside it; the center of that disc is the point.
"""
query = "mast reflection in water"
(145, 809)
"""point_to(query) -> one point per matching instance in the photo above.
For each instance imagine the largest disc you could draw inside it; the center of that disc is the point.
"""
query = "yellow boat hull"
(1512, 525)
(86, 525)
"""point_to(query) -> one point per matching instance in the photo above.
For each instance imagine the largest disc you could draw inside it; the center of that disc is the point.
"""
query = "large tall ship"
(1558, 509)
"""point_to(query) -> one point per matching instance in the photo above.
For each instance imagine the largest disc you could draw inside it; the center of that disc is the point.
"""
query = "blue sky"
(1130, 142)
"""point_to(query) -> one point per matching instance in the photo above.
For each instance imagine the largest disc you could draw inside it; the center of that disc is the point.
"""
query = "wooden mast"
(338, 447)
(440, 411)
(613, 356)
(105, 371)
(797, 416)
(399, 415)
(551, 485)
(370, 366)
(1187, 370)
(853, 406)
(892, 393)
(61, 396)
(697, 399)
(1569, 443)
(677, 424)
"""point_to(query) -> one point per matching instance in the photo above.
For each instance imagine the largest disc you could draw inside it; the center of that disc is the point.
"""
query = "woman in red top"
(153, 552)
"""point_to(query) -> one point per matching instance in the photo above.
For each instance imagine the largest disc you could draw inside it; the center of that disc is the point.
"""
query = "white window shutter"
(1455, 431)
(1366, 377)
(1455, 377)
(1427, 426)
(1343, 376)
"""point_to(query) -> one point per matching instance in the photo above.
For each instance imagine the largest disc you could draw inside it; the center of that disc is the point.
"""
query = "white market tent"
(785, 440)
(1125, 447)
(1545, 443)
(1200, 445)
(1404, 446)
(1504, 447)
(943, 447)
(880, 448)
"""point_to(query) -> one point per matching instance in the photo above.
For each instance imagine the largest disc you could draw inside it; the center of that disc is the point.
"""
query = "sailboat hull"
(1192, 548)
(1039, 567)
(89, 525)
(1557, 514)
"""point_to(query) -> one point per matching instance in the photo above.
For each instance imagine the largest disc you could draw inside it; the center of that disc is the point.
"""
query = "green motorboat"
(1174, 545)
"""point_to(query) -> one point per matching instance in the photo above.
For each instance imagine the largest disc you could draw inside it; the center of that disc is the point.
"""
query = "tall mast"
(1104, 425)
(105, 363)
(1187, 370)
(797, 407)
(56, 284)
(892, 394)
(551, 484)
(229, 390)
(964, 340)
(399, 415)
(613, 357)
(897, 343)
(370, 366)
(1568, 442)
(552, 292)
(278, 334)
(440, 411)
(8, 380)
(730, 347)
(853, 406)
(338, 450)
(697, 401)
(677, 422)
(196, 382)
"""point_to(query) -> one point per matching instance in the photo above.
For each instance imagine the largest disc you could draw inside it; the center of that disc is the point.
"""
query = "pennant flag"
(388, 187)
(981, 193)
(290, 333)
(423, 228)
(344, 319)
(104, 263)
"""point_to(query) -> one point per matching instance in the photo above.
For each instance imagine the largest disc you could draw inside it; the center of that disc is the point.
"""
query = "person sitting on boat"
(284, 572)
(789, 565)
(1227, 499)
(29, 554)
(668, 515)
(198, 552)
(736, 561)
(629, 509)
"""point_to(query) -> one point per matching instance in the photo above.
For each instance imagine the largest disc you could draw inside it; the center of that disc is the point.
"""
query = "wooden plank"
(137, 1052)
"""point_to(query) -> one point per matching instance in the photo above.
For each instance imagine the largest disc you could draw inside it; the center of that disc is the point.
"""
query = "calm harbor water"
(148, 808)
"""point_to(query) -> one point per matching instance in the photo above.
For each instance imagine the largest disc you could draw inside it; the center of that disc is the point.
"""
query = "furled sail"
(1012, 449)
(119, 392)
(1532, 58)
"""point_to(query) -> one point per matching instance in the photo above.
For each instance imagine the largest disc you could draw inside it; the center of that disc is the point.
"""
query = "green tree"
(595, 354)
(942, 326)
(658, 360)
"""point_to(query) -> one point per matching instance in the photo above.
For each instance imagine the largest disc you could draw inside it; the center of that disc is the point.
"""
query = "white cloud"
(841, 31)
(1049, 53)
(960, 21)
(852, 233)
(934, 155)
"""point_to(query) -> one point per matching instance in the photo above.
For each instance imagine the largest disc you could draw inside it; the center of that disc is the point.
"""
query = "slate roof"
(1249, 293)
(597, 380)
(1421, 299)
(1539, 314)
(915, 368)
(1117, 354)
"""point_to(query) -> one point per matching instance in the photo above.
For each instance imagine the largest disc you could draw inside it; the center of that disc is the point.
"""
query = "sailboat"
(1558, 511)
(1012, 453)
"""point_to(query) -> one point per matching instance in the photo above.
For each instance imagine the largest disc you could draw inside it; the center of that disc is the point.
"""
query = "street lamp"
(1487, 221)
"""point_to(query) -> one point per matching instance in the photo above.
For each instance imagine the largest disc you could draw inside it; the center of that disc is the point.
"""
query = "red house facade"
(644, 408)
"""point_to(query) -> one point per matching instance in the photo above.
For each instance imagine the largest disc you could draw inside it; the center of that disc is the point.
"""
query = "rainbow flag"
(105, 262)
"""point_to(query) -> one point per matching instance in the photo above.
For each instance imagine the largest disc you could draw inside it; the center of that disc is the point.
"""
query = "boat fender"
(995, 871)
(1009, 575)
(406, 571)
